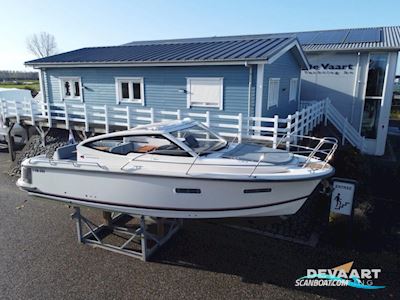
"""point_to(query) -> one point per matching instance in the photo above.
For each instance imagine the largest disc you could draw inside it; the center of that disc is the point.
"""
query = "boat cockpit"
(192, 140)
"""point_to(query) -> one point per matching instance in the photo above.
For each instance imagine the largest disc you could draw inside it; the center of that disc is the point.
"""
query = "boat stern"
(25, 181)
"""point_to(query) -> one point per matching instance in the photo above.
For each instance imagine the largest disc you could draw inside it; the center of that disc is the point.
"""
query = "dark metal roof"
(233, 49)
(229, 48)
(375, 38)
(340, 39)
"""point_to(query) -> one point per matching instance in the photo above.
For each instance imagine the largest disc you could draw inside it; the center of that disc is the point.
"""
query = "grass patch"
(34, 87)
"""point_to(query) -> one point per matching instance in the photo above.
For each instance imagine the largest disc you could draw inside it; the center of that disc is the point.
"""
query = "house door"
(373, 99)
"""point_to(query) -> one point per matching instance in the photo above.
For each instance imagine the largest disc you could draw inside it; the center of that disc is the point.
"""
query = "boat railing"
(321, 152)
(325, 146)
(53, 162)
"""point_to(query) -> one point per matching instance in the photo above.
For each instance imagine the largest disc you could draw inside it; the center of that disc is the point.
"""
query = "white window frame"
(293, 89)
(271, 100)
(220, 105)
(130, 81)
(71, 79)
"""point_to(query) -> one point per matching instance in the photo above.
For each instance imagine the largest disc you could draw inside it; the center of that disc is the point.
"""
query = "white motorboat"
(179, 169)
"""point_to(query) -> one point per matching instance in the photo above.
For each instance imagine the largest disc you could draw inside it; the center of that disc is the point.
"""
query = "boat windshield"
(199, 139)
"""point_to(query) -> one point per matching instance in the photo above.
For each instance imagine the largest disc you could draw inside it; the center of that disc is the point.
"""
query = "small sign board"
(342, 196)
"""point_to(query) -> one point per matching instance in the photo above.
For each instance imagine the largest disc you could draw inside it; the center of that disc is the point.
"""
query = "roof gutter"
(385, 49)
(144, 64)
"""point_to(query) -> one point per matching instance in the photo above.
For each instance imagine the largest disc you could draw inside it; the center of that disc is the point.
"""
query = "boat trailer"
(135, 236)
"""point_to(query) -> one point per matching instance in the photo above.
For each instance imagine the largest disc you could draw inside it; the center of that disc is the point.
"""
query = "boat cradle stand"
(139, 240)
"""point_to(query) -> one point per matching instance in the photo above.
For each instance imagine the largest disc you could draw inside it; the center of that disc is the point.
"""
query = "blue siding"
(161, 85)
(285, 68)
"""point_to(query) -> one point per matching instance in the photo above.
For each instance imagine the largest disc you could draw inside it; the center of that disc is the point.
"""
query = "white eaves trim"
(159, 64)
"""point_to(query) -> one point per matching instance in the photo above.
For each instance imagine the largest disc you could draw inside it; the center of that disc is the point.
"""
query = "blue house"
(254, 75)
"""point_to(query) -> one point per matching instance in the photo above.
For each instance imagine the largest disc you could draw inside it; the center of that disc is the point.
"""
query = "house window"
(273, 92)
(205, 92)
(293, 89)
(71, 88)
(129, 90)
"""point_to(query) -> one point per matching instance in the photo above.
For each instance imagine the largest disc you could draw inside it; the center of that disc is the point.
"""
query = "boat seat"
(65, 152)
(146, 148)
(123, 148)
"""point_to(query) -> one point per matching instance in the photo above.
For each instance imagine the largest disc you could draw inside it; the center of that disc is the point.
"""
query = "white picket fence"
(237, 126)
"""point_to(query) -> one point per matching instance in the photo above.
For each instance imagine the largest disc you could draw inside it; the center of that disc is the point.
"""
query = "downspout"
(355, 88)
(249, 91)
(249, 95)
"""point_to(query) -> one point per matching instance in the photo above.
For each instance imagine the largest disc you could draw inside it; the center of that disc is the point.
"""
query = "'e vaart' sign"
(328, 66)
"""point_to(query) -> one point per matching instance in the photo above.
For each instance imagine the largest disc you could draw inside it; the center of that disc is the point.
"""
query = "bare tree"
(42, 44)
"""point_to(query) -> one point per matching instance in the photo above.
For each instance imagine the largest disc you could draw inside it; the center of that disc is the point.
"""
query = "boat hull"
(168, 196)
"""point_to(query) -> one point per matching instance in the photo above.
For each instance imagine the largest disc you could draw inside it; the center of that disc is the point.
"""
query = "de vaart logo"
(328, 66)
(342, 275)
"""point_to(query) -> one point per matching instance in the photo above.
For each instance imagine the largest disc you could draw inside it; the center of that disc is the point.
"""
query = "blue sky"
(77, 24)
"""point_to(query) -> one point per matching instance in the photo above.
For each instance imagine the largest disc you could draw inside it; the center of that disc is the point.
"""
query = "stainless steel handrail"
(192, 164)
(258, 163)
(66, 161)
(311, 151)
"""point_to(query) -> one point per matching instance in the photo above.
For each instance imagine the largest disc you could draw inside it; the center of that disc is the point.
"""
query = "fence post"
(321, 111)
(240, 127)
(66, 115)
(107, 125)
(302, 123)
(306, 116)
(296, 126)
(208, 123)
(275, 133)
(49, 120)
(152, 115)
(16, 111)
(86, 117)
(288, 131)
(128, 117)
(311, 117)
(1, 113)
(344, 132)
(326, 103)
(314, 115)
(32, 112)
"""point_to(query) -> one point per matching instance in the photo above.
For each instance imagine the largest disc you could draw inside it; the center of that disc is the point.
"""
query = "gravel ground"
(41, 259)
(54, 139)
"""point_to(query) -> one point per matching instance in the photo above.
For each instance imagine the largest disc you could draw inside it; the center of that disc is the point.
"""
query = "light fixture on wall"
(182, 91)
